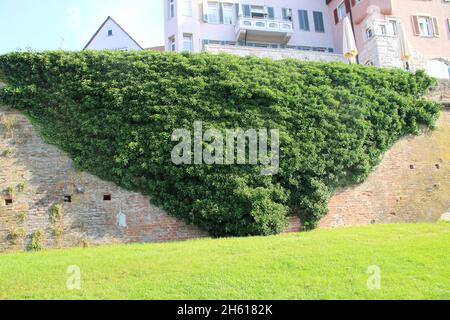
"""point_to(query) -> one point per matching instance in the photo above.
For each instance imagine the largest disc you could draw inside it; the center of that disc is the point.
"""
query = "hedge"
(114, 113)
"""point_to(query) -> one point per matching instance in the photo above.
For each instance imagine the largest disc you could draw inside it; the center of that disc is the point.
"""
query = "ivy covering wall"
(115, 112)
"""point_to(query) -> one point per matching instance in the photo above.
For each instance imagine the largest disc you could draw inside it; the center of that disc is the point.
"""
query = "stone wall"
(384, 51)
(36, 177)
(411, 184)
(276, 54)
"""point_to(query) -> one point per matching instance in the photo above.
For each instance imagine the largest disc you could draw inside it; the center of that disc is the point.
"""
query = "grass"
(414, 261)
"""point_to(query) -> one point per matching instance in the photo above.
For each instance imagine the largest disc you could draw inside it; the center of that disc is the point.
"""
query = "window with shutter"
(303, 20)
(318, 21)
(415, 22)
(435, 27)
(271, 13)
(247, 11)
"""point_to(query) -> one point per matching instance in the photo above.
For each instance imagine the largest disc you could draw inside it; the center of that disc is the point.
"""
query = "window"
(318, 21)
(369, 33)
(107, 197)
(271, 13)
(110, 33)
(187, 8)
(228, 13)
(258, 12)
(187, 42)
(213, 12)
(303, 20)
(171, 8)
(8, 202)
(286, 14)
(426, 26)
(68, 199)
(172, 46)
(342, 11)
(392, 27)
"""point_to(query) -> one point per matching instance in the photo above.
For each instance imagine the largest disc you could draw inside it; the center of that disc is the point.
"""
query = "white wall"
(438, 69)
(118, 41)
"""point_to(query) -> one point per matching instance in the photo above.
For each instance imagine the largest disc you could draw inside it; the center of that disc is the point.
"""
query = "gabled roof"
(101, 27)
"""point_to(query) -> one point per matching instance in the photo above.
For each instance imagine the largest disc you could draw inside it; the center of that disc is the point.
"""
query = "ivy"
(114, 113)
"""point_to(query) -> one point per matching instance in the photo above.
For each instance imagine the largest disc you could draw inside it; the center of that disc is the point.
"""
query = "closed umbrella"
(349, 47)
(405, 47)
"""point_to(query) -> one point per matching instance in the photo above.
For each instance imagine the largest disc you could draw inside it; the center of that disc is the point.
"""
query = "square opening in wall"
(107, 197)
(67, 198)
(8, 202)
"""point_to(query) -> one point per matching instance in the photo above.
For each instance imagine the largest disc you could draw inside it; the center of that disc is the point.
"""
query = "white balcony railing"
(264, 25)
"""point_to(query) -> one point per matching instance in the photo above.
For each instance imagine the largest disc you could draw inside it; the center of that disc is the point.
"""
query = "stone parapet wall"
(276, 54)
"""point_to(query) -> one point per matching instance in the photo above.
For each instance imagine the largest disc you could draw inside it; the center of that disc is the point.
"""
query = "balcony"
(263, 30)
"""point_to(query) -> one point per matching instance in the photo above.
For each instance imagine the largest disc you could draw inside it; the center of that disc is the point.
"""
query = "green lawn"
(414, 261)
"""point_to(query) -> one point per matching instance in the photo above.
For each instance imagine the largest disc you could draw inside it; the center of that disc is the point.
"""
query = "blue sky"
(69, 24)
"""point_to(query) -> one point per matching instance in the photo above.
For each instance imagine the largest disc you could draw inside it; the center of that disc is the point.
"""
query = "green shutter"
(303, 20)
(271, 12)
(221, 12)
(318, 21)
(247, 12)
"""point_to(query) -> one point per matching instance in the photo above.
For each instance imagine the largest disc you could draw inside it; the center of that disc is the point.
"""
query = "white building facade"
(272, 28)
(111, 36)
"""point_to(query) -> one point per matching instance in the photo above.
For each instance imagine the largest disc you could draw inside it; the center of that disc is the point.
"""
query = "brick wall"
(411, 184)
(49, 175)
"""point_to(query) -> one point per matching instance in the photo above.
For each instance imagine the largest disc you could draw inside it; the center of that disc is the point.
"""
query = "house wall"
(434, 47)
(425, 49)
(200, 30)
(118, 41)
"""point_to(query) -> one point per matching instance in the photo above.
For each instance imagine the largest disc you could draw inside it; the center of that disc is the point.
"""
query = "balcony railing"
(264, 24)
(255, 29)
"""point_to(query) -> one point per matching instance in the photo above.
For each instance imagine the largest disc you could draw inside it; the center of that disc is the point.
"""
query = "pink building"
(376, 22)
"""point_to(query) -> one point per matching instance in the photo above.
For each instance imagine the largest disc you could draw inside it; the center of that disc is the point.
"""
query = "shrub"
(22, 216)
(36, 241)
(15, 234)
(114, 113)
(10, 191)
(21, 186)
(8, 152)
(56, 213)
